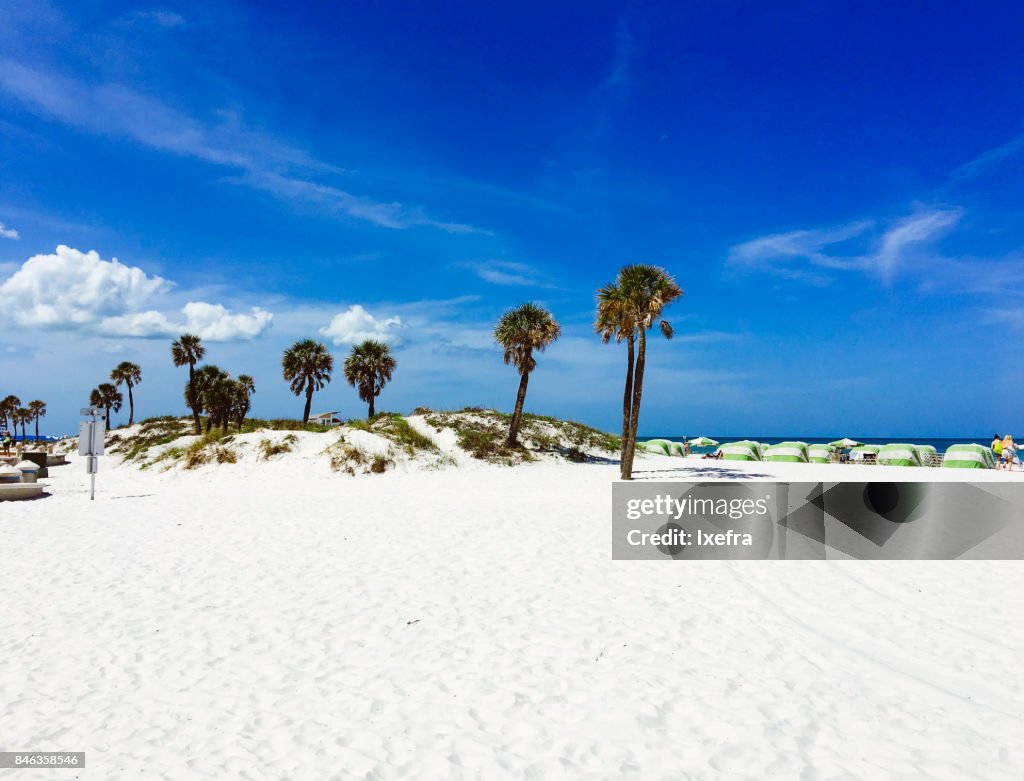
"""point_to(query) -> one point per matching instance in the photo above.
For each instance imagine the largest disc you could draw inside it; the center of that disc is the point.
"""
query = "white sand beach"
(275, 619)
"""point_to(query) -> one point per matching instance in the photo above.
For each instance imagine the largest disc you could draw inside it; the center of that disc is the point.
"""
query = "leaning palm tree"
(108, 397)
(613, 322)
(307, 365)
(368, 368)
(131, 375)
(188, 349)
(643, 293)
(8, 407)
(37, 409)
(520, 332)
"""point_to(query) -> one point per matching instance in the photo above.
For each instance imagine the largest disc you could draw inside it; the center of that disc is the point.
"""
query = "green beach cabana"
(928, 455)
(969, 457)
(677, 449)
(660, 447)
(819, 454)
(899, 454)
(791, 452)
(741, 451)
(858, 453)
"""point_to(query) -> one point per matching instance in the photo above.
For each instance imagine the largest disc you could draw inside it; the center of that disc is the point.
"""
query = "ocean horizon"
(941, 444)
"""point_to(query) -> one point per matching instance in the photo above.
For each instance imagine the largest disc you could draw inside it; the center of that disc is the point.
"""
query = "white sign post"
(90, 444)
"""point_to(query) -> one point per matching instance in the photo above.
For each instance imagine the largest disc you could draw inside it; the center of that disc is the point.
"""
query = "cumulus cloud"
(73, 289)
(8, 233)
(355, 325)
(218, 324)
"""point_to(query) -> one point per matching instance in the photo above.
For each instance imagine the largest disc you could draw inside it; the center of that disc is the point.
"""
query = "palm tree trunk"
(131, 405)
(517, 413)
(37, 428)
(369, 415)
(627, 407)
(108, 419)
(638, 388)
(192, 398)
(309, 401)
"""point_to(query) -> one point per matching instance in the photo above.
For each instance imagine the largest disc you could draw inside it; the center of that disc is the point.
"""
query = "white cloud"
(75, 288)
(8, 233)
(505, 272)
(82, 290)
(987, 160)
(217, 324)
(262, 161)
(786, 253)
(355, 325)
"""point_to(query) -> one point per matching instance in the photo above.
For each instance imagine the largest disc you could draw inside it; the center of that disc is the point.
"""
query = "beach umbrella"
(744, 450)
(969, 457)
(899, 454)
(703, 442)
(845, 442)
(792, 452)
(819, 454)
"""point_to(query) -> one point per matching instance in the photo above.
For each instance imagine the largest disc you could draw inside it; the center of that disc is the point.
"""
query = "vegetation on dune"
(395, 428)
(482, 434)
(268, 449)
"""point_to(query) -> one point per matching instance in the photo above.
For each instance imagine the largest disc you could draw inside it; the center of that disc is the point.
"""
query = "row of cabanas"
(895, 454)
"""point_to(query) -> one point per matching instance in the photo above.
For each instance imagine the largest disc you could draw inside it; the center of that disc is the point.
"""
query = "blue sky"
(838, 191)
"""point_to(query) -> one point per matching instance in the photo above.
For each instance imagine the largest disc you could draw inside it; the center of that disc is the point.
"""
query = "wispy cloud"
(989, 159)
(262, 161)
(505, 272)
(8, 233)
(788, 254)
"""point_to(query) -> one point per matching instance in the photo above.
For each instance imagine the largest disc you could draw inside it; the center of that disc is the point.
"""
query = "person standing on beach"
(997, 448)
(1009, 452)
(6, 438)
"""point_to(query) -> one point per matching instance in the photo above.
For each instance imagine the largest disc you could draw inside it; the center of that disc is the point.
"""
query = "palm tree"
(613, 322)
(37, 409)
(131, 375)
(22, 416)
(368, 368)
(633, 305)
(108, 397)
(203, 386)
(307, 365)
(7, 409)
(188, 349)
(245, 386)
(521, 331)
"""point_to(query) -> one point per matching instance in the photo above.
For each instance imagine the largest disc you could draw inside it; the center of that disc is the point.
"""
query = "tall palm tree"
(108, 397)
(8, 407)
(188, 349)
(613, 322)
(307, 365)
(37, 409)
(368, 368)
(643, 292)
(131, 375)
(520, 332)
(22, 416)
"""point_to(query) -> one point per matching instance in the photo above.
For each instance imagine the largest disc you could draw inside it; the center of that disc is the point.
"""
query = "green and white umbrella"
(702, 442)
(845, 442)
(819, 454)
(741, 451)
(661, 447)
